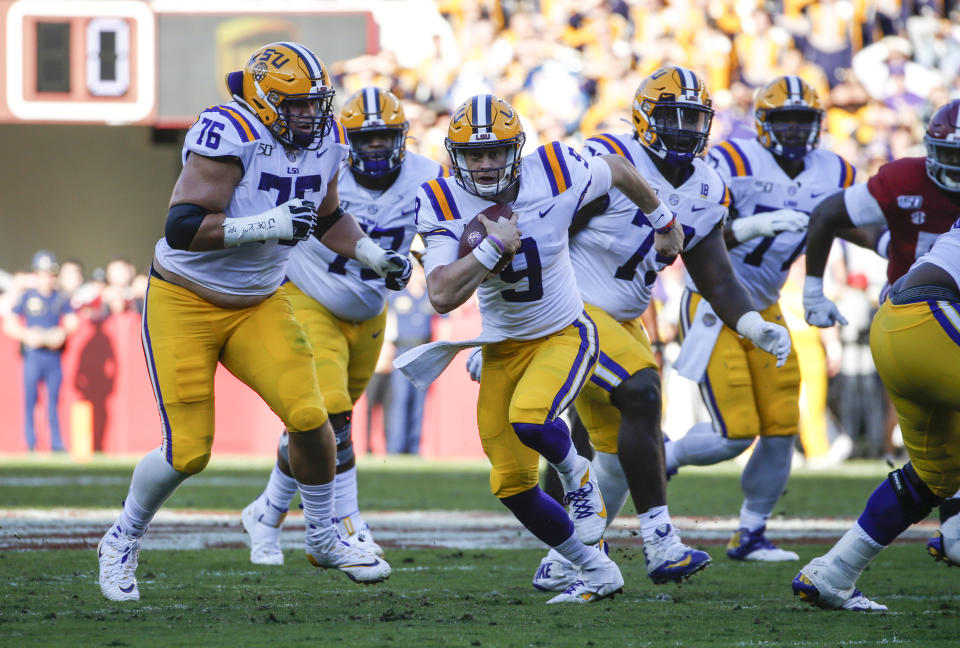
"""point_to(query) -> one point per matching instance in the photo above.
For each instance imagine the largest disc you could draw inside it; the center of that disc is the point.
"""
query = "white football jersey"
(343, 286)
(537, 293)
(945, 253)
(758, 185)
(272, 175)
(613, 256)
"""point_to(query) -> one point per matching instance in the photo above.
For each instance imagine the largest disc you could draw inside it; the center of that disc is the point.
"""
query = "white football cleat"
(753, 545)
(945, 544)
(601, 581)
(118, 554)
(555, 573)
(264, 539)
(813, 585)
(669, 560)
(327, 551)
(356, 532)
(585, 504)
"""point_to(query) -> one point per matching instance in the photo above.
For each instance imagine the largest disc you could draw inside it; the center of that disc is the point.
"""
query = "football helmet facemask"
(481, 123)
(787, 116)
(287, 87)
(377, 128)
(942, 140)
(672, 115)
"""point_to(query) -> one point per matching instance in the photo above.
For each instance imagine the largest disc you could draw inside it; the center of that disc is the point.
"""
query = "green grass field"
(447, 597)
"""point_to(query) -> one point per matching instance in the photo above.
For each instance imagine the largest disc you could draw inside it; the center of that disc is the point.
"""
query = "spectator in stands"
(41, 321)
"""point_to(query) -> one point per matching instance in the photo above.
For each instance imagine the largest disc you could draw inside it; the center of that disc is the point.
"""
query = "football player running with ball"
(342, 306)
(616, 266)
(542, 346)
(776, 179)
(915, 340)
(257, 171)
(917, 199)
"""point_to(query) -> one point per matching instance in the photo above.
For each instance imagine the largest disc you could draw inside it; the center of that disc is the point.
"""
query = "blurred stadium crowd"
(571, 68)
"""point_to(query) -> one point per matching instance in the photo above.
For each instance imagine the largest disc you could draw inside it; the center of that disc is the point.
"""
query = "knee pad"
(194, 465)
(552, 440)
(915, 497)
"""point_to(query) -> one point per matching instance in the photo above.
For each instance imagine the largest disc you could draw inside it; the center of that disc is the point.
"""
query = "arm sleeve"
(862, 207)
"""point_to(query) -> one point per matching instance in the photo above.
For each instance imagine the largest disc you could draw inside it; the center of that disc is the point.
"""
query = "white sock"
(317, 505)
(566, 468)
(153, 482)
(703, 446)
(654, 519)
(134, 519)
(276, 496)
(575, 551)
(346, 498)
(751, 520)
(612, 482)
(851, 555)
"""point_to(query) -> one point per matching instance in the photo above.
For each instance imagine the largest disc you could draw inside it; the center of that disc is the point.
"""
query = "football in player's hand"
(475, 232)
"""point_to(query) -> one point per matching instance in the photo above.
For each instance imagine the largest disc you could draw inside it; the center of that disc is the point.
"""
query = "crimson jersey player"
(917, 199)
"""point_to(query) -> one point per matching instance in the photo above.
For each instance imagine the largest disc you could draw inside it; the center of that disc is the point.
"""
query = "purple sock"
(541, 515)
(551, 440)
(883, 518)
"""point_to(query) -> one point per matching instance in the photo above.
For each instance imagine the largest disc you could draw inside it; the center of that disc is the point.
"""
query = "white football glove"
(817, 309)
(394, 268)
(288, 223)
(770, 337)
(475, 363)
(769, 224)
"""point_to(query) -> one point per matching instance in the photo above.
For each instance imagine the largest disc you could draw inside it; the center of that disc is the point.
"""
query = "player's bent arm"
(451, 285)
(709, 266)
(341, 233)
(668, 235)
(826, 220)
(205, 184)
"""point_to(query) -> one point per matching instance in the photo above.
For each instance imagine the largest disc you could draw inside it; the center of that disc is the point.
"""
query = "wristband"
(812, 286)
(370, 254)
(749, 324)
(487, 253)
(496, 243)
(271, 224)
(661, 219)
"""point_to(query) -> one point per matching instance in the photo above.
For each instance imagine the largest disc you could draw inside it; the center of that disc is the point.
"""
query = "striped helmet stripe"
(313, 63)
(481, 111)
(371, 101)
(686, 77)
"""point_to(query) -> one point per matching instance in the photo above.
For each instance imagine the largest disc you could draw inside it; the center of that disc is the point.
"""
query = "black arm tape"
(916, 499)
(183, 223)
(324, 223)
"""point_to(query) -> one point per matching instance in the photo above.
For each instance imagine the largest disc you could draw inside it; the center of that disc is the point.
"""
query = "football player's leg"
(556, 373)
(263, 518)
(727, 391)
(181, 338)
(53, 378)
(269, 352)
(912, 354)
(777, 393)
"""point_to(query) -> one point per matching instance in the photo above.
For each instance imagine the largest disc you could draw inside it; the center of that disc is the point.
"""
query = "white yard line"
(35, 529)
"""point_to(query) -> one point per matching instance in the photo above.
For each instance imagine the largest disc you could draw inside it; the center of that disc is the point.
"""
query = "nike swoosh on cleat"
(126, 590)
(603, 511)
(682, 563)
(370, 564)
(586, 596)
